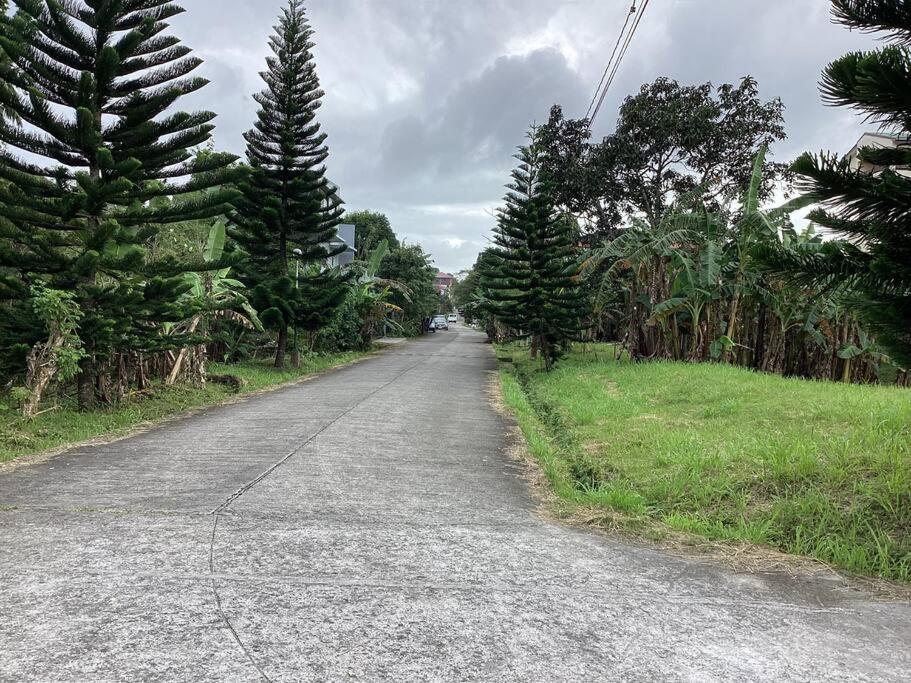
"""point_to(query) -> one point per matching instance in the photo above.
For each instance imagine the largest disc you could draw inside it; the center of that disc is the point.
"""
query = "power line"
(611, 60)
(629, 39)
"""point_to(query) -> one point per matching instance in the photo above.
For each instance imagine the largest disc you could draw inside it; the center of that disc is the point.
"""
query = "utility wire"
(629, 38)
(611, 60)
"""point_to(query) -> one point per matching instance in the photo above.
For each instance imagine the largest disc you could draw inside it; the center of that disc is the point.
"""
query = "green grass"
(66, 425)
(811, 468)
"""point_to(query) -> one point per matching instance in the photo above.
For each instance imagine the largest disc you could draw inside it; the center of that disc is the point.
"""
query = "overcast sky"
(427, 99)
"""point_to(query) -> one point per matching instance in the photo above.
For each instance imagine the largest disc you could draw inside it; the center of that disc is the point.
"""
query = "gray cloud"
(427, 99)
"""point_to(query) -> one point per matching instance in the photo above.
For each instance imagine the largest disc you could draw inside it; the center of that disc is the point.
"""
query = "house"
(443, 282)
(875, 140)
(344, 237)
(882, 141)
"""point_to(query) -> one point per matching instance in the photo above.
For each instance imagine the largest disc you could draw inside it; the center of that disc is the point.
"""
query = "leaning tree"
(290, 209)
(871, 212)
(93, 142)
(531, 276)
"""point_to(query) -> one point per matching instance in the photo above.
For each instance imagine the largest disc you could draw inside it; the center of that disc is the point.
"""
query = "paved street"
(369, 525)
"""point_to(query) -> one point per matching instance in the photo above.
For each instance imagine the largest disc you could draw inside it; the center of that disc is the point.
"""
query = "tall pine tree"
(529, 275)
(93, 83)
(870, 212)
(291, 210)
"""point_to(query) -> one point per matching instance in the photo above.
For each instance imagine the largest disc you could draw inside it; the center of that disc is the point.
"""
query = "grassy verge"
(66, 425)
(810, 468)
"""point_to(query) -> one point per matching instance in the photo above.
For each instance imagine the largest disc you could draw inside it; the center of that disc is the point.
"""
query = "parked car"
(440, 322)
(453, 318)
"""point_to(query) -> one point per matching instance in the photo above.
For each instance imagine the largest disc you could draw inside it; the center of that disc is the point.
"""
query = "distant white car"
(453, 318)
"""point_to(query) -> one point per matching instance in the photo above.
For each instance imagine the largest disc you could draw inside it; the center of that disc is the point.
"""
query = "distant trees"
(530, 277)
(871, 265)
(290, 210)
(410, 265)
(96, 85)
(370, 228)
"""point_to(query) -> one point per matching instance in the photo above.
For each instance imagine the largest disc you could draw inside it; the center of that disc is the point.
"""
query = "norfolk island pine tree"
(94, 85)
(529, 277)
(871, 263)
(290, 210)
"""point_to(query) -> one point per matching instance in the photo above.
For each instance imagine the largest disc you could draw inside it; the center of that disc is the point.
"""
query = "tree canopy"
(370, 228)
(669, 139)
(530, 278)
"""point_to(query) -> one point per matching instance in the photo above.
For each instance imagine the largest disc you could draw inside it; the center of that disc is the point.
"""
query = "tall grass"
(811, 468)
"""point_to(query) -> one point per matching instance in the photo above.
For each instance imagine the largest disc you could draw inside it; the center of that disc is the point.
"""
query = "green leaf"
(751, 201)
(849, 351)
(720, 345)
(215, 245)
(668, 307)
(376, 258)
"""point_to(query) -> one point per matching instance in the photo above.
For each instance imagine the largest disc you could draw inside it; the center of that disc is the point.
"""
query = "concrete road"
(368, 525)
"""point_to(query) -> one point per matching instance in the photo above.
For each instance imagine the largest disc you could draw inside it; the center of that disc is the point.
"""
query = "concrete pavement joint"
(221, 610)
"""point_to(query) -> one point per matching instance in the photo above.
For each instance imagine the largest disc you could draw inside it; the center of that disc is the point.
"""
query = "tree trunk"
(732, 326)
(759, 351)
(42, 365)
(182, 356)
(141, 381)
(281, 347)
(85, 384)
(197, 366)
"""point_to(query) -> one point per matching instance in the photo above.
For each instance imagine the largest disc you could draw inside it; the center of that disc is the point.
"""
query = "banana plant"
(755, 226)
(372, 294)
(698, 281)
(216, 294)
(886, 370)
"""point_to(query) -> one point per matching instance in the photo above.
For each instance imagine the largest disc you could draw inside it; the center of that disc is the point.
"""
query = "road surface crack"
(221, 611)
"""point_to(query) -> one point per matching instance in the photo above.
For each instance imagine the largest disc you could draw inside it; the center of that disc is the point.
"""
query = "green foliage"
(290, 210)
(870, 265)
(215, 291)
(409, 265)
(344, 331)
(692, 288)
(531, 277)
(370, 228)
(60, 313)
(669, 140)
(79, 187)
(723, 453)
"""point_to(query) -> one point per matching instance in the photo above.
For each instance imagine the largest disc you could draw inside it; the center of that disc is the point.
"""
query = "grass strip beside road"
(65, 425)
(816, 469)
